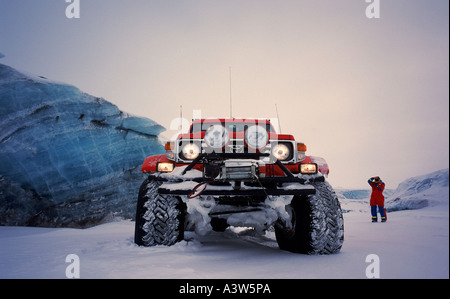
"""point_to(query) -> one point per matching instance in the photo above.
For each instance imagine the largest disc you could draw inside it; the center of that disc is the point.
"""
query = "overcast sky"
(371, 96)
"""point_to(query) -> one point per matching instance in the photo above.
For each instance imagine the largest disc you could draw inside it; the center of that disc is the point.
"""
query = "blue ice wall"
(67, 158)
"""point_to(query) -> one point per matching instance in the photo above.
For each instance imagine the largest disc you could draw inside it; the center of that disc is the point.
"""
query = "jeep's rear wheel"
(159, 218)
(317, 223)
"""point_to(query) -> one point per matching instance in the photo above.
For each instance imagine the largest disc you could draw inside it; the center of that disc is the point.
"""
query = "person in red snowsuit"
(377, 199)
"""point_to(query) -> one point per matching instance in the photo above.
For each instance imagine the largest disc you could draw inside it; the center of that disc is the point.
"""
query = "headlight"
(217, 136)
(308, 168)
(281, 152)
(165, 167)
(190, 151)
(256, 137)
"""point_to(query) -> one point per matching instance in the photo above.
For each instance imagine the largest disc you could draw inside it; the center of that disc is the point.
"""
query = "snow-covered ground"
(412, 244)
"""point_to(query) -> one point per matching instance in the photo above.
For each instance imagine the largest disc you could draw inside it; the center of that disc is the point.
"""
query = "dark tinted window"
(231, 126)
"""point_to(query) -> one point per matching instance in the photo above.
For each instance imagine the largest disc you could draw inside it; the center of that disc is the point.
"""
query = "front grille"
(234, 146)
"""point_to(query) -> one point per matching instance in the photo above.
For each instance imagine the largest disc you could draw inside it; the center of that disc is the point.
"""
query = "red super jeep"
(239, 172)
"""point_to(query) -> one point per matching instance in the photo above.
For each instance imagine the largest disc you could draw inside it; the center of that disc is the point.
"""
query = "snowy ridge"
(421, 191)
(67, 158)
(428, 190)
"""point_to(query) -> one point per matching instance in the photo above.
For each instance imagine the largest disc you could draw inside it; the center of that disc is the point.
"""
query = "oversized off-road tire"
(317, 223)
(159, 218)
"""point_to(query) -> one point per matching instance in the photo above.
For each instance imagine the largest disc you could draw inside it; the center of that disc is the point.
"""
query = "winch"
(239, 170)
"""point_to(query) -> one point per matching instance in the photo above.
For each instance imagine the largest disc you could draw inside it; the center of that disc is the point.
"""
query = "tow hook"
(198, 190)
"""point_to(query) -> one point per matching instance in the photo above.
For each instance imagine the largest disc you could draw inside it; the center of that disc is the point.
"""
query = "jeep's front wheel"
(317, 225)
(159, 218)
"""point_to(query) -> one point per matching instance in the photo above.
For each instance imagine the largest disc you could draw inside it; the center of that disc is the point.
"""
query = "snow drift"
(411, 244)
(420, 191)
(67, 158)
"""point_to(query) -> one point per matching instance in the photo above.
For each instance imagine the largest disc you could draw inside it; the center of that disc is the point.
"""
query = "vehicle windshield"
(231, 126)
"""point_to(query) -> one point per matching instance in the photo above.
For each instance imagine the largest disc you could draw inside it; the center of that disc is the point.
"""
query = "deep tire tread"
(318, 221)
(159, 218)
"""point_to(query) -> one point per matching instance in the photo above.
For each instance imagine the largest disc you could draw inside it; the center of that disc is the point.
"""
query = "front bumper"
(230, 175)
(271, 186)
(186, 188)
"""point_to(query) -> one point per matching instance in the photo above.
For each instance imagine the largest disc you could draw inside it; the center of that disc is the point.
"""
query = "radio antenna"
(278, 117)
(231, 99)
(181, 119)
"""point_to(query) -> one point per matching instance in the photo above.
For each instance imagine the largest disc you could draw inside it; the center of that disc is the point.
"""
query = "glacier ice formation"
(67, 159)
(420, 192)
